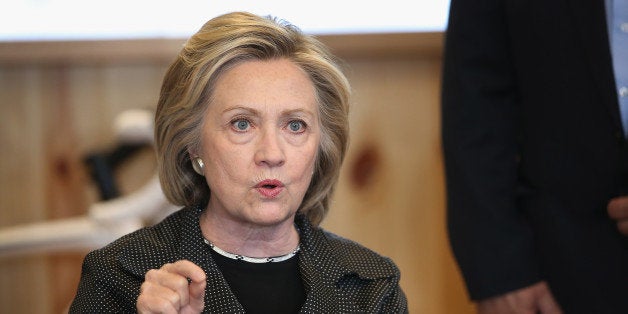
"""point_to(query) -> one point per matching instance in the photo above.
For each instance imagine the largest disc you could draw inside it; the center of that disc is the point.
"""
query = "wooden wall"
(58, 101)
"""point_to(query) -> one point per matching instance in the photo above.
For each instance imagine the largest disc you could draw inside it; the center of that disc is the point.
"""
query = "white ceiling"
(119, 19)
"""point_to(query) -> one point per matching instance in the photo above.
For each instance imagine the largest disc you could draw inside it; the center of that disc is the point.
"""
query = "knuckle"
(151, 274)
(182, 282)
(174, 299)
(144, 287)
(161, 304)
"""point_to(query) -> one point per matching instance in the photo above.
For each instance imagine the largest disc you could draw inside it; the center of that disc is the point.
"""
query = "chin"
(272, 219)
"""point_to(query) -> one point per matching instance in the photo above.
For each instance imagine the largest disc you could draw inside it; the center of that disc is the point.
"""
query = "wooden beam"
(383, 45)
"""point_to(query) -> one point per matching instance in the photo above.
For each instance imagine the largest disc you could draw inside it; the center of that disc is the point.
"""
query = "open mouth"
(269, 184)
(270, 188)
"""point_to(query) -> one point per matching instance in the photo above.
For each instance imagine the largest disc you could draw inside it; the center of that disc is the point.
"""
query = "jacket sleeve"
(395, 302)
(105, 287)
(490, 240)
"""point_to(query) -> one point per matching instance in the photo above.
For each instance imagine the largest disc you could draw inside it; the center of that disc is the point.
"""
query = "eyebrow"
(297, 112)
(283, 113)
(250, 110)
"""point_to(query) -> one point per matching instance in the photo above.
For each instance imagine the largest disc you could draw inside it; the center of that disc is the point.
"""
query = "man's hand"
(529, 300)
(618, 209)
(174, 288)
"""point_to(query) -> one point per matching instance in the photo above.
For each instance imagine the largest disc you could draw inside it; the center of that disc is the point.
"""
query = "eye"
(297, 126)
(241, 125)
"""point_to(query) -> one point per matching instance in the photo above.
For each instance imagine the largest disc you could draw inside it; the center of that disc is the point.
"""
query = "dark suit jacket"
(340, 276)
(534, 151)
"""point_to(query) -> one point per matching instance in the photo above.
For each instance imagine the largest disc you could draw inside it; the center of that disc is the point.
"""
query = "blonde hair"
(187, 89)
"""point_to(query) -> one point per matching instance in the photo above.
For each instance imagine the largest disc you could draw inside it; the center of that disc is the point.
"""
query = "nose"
(269, 151)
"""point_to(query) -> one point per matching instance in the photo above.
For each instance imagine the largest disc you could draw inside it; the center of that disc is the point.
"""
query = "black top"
(264, 287)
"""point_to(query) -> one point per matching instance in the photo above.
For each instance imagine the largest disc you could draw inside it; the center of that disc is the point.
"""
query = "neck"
(249, 239)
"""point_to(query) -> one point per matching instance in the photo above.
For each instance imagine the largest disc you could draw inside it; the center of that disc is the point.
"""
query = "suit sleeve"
(395, 302)
(488, 235)
(104, 287)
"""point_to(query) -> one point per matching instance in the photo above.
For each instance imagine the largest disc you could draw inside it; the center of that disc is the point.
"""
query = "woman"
(251, 130)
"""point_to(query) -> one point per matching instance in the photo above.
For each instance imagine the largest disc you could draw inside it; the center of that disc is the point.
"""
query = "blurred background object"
(113, 216)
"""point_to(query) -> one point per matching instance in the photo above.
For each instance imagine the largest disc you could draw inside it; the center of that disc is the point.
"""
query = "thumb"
(548, 305)
(618, 207)
(197, 294)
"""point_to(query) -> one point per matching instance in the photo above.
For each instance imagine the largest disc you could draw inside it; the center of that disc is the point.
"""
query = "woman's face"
(259, 142)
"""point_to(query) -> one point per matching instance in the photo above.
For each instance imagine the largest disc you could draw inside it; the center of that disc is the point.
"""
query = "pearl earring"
(198, 165)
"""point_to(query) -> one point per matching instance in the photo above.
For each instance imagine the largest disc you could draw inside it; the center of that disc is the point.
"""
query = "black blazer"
(339, 275)
(534, 150)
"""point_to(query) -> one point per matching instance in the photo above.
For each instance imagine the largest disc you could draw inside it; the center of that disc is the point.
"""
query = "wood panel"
(58, 101)
(52, 117)
(22, 187)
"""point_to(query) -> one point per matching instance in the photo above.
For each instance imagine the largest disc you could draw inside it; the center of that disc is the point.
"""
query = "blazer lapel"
(322, 296)
(186, 244)
(322, 273)
(589, 18)
(194, 249)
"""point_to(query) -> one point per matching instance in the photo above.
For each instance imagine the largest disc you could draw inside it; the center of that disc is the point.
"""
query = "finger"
(156, 299)
(547, 305)
(197, 284)
(618, 207)
(622, 225)
(197, 294)
(177, 284)
(195, 288)
(546, 302)
(187, 269)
